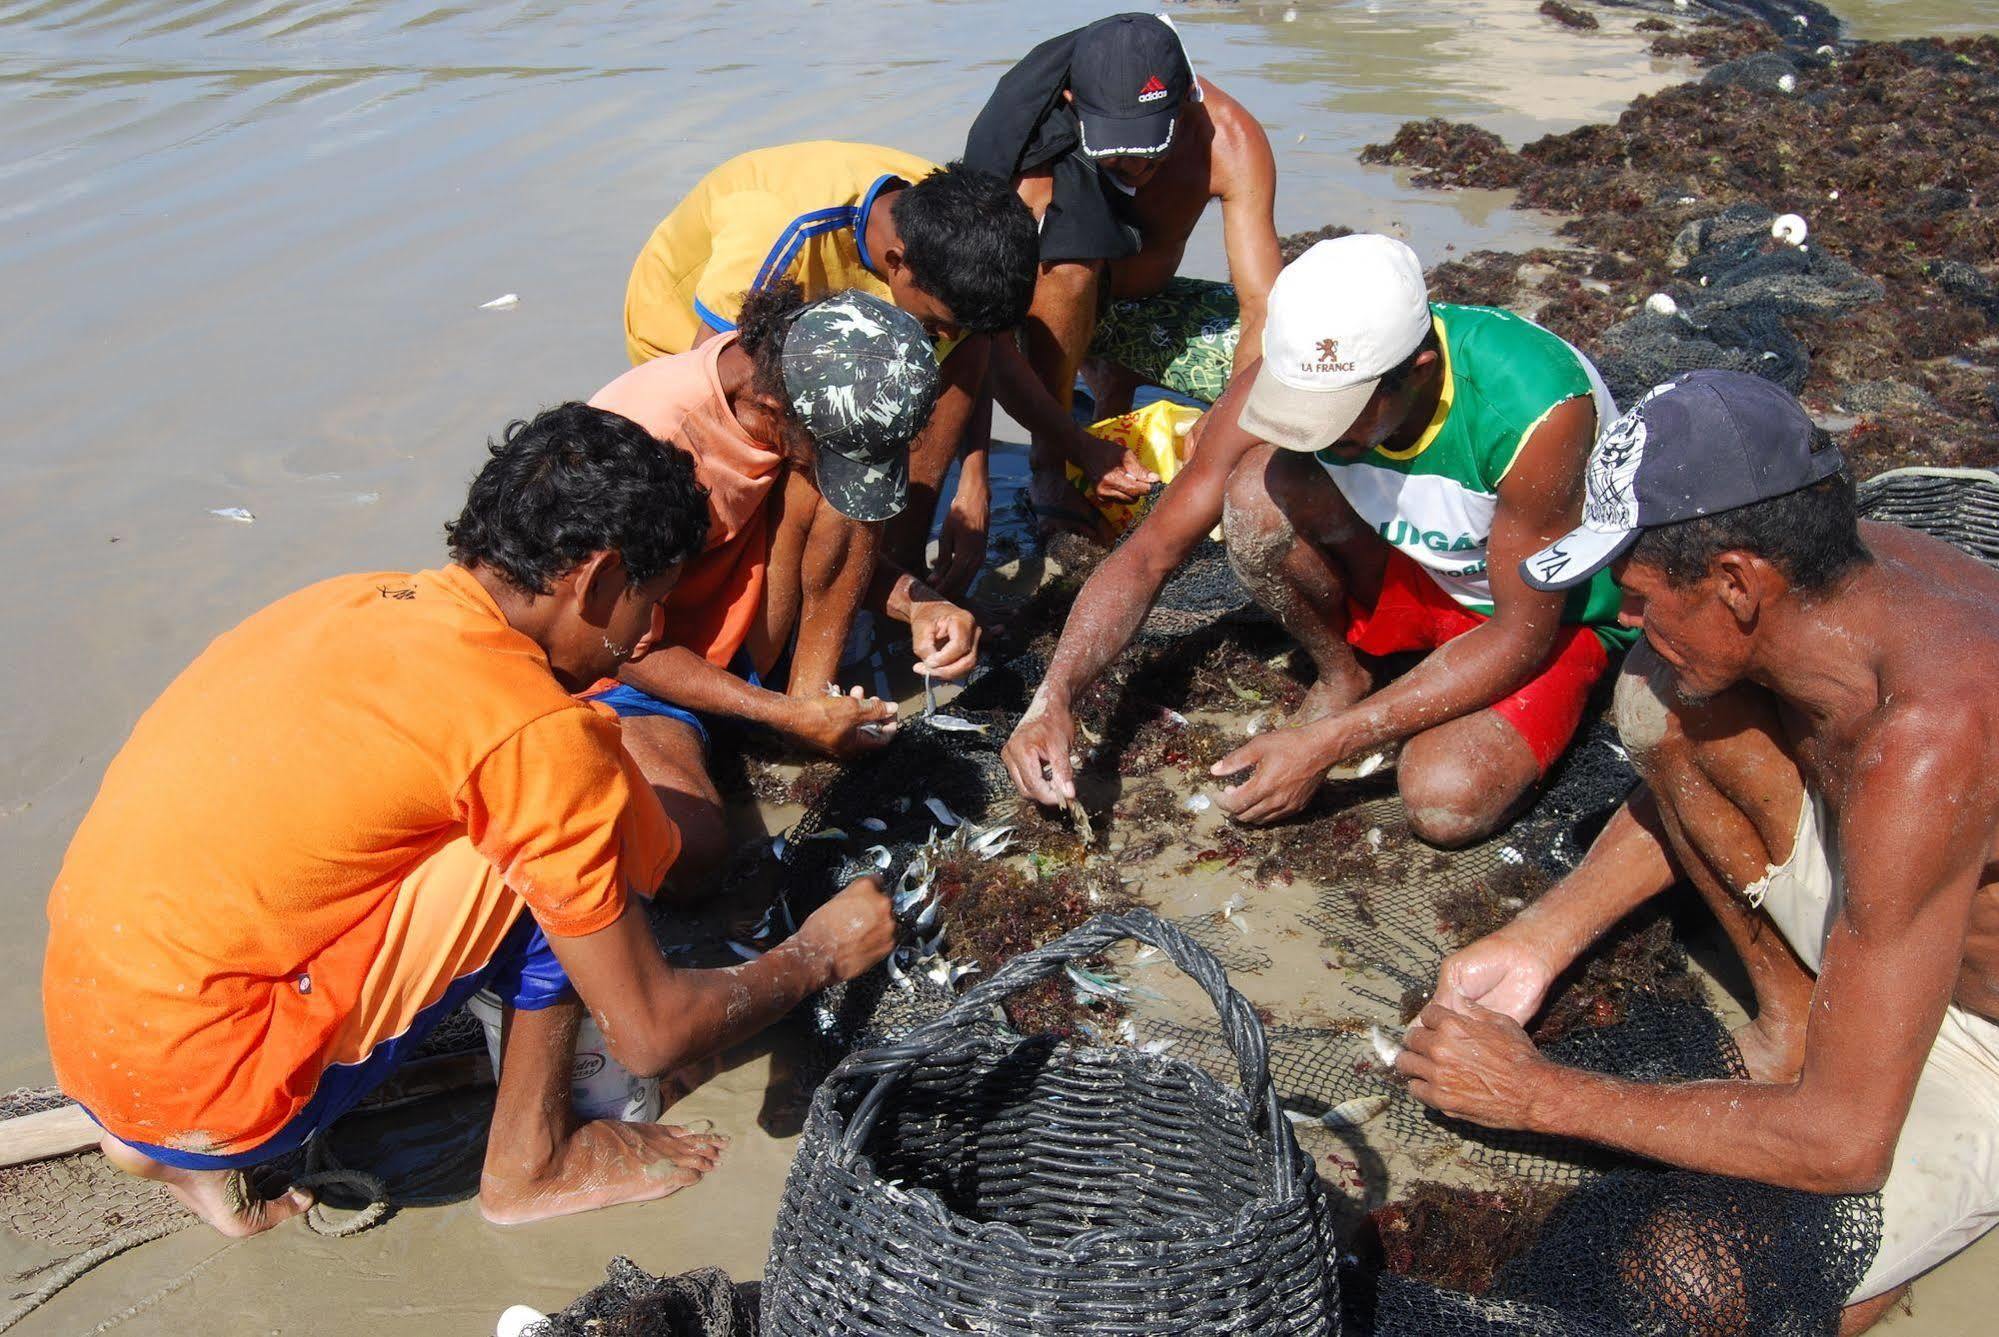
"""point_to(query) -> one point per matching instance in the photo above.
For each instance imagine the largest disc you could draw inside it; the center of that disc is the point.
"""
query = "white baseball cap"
(1342, 315)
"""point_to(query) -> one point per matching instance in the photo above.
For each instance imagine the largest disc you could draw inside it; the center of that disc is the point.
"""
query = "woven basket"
(972, 1180)
(1959, 506)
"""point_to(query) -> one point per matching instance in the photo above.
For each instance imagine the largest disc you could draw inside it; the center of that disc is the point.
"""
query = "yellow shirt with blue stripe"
(797, 211)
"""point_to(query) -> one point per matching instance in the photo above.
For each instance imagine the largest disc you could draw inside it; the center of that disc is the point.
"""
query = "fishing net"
(1801, 23)
(1739, 290)
(632, 1302)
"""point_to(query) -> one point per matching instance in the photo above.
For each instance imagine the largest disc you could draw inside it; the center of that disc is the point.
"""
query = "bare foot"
(1330, 695)
(1773, 1051)
(601, 1164)
(222, 1198)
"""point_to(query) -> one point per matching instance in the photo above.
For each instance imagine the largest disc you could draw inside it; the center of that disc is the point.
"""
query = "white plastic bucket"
(598, 1086)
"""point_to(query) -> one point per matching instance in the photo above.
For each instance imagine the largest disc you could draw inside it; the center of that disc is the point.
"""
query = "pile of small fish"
(917, 903)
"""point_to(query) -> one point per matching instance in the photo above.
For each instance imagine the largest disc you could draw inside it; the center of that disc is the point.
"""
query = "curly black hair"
(970, 243)
(574, 482)
(766, 317)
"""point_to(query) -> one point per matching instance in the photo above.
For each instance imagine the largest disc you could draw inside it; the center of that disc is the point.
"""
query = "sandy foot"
(222, 1198)
(602, 1164)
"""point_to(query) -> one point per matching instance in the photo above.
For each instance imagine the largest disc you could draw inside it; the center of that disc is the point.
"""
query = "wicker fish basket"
(969, 1179)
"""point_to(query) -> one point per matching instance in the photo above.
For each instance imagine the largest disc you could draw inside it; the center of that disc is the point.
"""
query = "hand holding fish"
(1037, 756)
(1476, 1065)
(1114, 472)
(944, 638)
(852, 932)
(841, 725)
(1290, 765)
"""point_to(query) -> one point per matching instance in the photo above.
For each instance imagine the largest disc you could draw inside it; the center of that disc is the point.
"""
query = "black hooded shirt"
(1025, 125)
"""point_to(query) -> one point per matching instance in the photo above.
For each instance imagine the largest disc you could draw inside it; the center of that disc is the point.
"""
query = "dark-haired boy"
(951, 246)
(1119, 148)
(380, 795)
(1815, 715)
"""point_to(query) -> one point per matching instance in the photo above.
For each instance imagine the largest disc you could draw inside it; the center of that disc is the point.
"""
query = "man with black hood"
(1118, 147)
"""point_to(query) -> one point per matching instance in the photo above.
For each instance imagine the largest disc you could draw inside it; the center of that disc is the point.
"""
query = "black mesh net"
(632, 1302)
(1739, 289)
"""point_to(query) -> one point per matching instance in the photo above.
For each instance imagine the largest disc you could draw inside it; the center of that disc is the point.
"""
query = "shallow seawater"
(244, 244)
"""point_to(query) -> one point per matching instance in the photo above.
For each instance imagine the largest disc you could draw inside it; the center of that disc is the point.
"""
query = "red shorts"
(1414, 613)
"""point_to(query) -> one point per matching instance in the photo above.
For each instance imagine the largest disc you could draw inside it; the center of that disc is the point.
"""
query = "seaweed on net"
(1459, 1237)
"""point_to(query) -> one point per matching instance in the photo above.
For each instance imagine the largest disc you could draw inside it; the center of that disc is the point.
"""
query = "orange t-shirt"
(680, 399)
(227, 907)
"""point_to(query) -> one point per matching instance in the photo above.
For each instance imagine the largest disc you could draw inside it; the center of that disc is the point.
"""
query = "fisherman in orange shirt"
(382, 794)
(800, 421)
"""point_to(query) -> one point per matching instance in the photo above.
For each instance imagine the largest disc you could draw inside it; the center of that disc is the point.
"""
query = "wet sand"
(244, 243)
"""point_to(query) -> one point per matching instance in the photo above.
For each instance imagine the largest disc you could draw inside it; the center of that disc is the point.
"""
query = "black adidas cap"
(1707, 442)
(1129, 75)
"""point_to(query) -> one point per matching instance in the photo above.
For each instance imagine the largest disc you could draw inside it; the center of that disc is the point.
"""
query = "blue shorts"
(628, 701)
(523, 972)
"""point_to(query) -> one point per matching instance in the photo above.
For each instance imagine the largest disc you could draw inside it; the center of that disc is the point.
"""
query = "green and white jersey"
(1435, 499)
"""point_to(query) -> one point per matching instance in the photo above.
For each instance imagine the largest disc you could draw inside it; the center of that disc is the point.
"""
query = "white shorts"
(1943, 1191)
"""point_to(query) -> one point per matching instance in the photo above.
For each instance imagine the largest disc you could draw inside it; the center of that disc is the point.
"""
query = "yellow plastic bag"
(1156, 434)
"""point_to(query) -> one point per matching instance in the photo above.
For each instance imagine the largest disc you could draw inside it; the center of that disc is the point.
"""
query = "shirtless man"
(380, 795)
(1815, 714)
(1378, 477)
(1118, 148)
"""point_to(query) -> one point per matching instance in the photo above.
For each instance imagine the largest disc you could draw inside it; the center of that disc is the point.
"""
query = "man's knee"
(1459, 786)
(1642, 708)
(1255, 529)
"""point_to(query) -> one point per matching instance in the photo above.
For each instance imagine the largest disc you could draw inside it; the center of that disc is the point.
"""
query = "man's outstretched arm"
(1916, 833)
(657, 1018)
(1114, 601)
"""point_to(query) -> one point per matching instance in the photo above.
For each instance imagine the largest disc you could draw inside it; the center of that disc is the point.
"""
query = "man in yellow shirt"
(955, 248)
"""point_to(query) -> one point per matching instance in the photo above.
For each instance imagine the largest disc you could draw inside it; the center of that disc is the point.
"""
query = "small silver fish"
(1095, 986)
(991, 842)
(1353, 1113)
(954, 724)
(874, 824)
(942, 812)
(878, 855)
(744, 950)
(1387, 1042)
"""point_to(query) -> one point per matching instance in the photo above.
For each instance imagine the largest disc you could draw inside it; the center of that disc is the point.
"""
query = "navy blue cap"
(1706, 442)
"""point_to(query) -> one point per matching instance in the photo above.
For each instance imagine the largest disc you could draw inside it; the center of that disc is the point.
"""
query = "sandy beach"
(245, 246)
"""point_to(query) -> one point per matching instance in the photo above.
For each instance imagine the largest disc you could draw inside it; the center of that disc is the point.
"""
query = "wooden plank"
(56, 1132)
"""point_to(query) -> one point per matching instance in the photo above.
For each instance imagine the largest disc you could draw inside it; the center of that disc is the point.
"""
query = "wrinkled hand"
(1476, 1065)
(1498, 973)
(944, 638)
(1114, 473)
(851, 933)
(1037, 756)
(841, 726)
(1290, 766)
(961, 543)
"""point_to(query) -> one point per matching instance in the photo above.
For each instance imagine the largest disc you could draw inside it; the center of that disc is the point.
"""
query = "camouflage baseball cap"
(862, 376)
